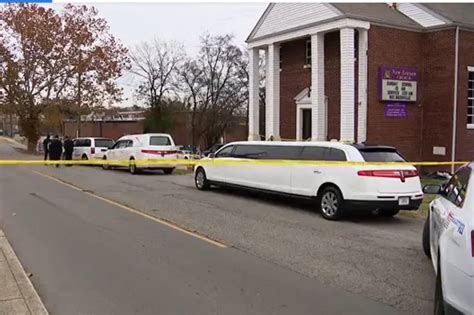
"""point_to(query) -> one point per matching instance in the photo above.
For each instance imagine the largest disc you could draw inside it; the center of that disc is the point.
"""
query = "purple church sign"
(396, 110)
(398, 84)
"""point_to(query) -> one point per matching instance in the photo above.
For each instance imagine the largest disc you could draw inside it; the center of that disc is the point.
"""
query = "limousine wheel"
(105, 166)
(330, 203)
(200, 179)
(132, 167)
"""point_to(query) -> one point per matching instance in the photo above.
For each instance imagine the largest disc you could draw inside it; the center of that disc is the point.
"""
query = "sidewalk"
(17, 294)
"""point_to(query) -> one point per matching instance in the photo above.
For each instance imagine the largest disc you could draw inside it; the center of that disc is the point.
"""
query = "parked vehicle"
(212, 149)
(90, 148)
(448, 239)
(39, 145)
(141, 150)
(337, 188)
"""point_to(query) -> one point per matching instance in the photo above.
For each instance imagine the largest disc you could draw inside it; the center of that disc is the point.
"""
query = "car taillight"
(92, 150)
(389, 173)
(472, 243)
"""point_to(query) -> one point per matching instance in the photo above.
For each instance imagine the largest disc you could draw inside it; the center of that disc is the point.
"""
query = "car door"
(217, 168)
(454, 238)
(307, 178)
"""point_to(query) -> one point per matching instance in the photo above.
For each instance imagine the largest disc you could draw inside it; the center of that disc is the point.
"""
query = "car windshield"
(381, 155)
(104, 143)
(160, 140)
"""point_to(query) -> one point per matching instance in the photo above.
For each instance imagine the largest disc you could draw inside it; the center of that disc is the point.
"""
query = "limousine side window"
(323, 154)
(226, 152)
(335, 155)
(250, 152)
(313, 153)
(281, 152)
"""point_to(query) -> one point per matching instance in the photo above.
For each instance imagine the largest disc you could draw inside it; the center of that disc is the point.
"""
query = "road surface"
(77, 230)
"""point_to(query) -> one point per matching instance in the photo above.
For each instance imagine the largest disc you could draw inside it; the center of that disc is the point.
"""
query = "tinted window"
(335, 155)
(250, 151)
(160, 140)
(226, 152)
(381, 155)
(281, 152)
(313, 153)
(103, 143)
(82, 143)
(455, 190)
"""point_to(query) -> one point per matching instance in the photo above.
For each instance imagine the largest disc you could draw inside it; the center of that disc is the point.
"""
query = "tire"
(389, 212)
(105, 166)
(426, 237)
(168, 171)
(438, 298)
(200, 180)
(84, 157)
(331, 203)
(132, 167)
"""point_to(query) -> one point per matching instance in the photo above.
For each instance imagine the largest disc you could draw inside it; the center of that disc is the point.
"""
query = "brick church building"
(400, 74)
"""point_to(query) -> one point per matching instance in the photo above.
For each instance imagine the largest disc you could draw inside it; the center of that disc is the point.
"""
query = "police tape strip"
(192, 162)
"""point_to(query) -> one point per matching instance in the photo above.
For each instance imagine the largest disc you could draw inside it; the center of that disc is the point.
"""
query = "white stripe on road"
(139, 212)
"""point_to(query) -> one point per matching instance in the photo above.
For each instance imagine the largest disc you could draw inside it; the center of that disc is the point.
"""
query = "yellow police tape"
(192, 162)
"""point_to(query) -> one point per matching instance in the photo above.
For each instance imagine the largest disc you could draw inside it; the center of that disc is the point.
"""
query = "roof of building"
(280, 17)
(376, 12)
(456, 13)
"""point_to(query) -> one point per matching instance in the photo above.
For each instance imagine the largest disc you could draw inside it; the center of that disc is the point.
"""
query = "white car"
(90, 148)
(385, 189)
(448, 239)
(143, 151)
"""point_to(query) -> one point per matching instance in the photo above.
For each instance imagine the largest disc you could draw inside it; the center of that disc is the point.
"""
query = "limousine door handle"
(317, 172)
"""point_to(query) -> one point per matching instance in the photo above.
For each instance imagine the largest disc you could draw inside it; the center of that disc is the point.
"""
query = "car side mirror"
(212, 155)
(432, 189)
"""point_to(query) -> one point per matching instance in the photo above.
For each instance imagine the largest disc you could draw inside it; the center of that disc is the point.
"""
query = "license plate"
(404, 201)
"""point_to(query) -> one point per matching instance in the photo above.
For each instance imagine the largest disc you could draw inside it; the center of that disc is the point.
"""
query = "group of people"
(53, 148)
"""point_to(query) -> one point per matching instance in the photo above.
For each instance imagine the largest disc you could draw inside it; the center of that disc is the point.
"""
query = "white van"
(90, 148)
(337, 188)
(139, 149)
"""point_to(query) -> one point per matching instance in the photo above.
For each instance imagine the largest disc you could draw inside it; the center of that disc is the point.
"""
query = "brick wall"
(293, 79)
(437, 84)
(465, 137)
(388, 46)
(332, 82)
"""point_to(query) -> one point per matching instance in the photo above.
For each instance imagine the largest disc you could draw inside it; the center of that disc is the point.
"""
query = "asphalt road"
(90, 256)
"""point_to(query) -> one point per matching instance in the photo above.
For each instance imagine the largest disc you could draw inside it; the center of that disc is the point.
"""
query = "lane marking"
(138, 212)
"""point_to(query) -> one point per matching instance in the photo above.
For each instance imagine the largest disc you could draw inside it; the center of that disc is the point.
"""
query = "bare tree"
(156, 64)
(216, 87)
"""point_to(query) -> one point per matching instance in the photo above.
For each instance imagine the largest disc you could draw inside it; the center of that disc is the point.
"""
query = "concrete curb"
(30, 296)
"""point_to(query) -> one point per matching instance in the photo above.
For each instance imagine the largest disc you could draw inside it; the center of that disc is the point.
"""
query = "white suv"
(448, 239)
(338, 187)
(141, 151)
(90, 148)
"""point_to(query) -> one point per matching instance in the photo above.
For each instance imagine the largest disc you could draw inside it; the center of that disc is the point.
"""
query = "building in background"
(399, 75)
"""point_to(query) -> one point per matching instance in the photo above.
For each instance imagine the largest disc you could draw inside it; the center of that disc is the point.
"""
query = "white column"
(272, 91)
(318, 110)
(362, 119)
(254, 100)
(347, 85)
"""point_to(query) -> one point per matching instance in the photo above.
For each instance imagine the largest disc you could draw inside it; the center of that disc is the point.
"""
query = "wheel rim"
(329, 204)
(200, 179)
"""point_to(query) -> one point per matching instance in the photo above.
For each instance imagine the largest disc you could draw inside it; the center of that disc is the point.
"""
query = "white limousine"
(385, 189)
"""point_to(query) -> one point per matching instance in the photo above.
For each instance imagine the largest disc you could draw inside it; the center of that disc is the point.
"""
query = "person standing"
(68, 149)
(55, 149)
(46, 143)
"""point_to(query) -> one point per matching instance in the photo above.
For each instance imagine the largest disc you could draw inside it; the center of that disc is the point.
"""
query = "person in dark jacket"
(46, 142)
(55, 149)
(68, 148)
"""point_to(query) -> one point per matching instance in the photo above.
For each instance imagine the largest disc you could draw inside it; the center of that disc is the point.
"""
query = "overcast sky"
(181, 22)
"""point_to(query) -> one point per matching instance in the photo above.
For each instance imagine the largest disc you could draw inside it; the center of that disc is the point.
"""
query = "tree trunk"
(29, 125)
